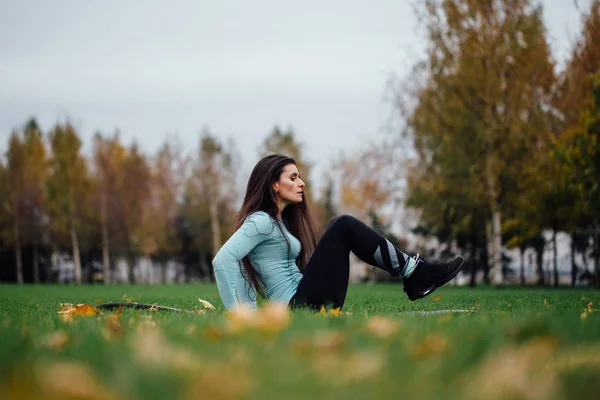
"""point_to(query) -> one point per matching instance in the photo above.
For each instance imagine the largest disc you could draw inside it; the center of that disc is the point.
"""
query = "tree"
(15, 171)
(580, 156)
(36, 169)
(573, 90)
(109, 157)
(207, 212)
(69, 187)
(489, 63)
(133, 199)
(157, 233)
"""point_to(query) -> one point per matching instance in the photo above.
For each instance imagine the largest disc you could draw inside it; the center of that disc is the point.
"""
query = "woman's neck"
(281, 206)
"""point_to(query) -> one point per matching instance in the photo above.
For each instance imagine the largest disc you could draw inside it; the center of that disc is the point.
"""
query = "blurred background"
(128, 132)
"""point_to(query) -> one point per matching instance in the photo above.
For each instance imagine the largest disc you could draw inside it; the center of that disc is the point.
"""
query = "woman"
(273, 250)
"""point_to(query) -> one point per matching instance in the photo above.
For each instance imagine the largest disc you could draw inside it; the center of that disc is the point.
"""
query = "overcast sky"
(154, 68)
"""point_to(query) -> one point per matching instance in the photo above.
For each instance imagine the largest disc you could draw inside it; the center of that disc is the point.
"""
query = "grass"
(516, 343)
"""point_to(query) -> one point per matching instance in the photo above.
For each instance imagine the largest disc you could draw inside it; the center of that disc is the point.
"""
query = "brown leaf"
(240, 318)
(437, 298)
(56, 340)
(112, 326)
(84, 310)
(430, 345)
(206, 304)
(382, 327)
(272, 318)
(220, 380)
(70, 381)
(515, 373)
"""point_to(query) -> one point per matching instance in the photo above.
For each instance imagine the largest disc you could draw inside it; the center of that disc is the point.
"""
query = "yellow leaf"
(71, 380)
(240, 318)
(56, 340)
(206, 304)
(583, 315)
(431, 345)
(382, 327)
(546, 304)
(84, 310)
(437, 298)
(112, 326)
(334, 312)
(589, 306)
(273, 318)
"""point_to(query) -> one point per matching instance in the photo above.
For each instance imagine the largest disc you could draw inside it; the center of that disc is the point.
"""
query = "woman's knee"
(341, 221)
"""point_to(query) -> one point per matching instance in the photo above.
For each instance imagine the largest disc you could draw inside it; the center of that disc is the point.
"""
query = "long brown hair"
(260, 196)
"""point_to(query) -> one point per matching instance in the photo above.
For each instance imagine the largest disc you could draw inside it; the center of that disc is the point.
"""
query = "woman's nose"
(301, 183)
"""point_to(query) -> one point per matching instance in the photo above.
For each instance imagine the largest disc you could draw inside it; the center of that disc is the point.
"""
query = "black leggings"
(326, 274)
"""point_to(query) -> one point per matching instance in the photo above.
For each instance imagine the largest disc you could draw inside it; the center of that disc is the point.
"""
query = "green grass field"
(514, 344)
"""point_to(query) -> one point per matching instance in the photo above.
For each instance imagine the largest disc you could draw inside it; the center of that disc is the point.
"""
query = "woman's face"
(289, 188)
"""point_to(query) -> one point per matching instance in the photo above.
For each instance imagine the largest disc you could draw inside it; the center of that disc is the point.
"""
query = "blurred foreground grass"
(513, 343)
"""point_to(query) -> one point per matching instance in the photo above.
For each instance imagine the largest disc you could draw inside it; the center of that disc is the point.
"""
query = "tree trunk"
(130, 268)
(489, 250)
(214, 224)
(573, 266)
(163, 270)
(473, 281)
(17, 239)
(554, 258)
(496, 244)
(105, 243)
(36, 262)
(596, 252)
(522, 250)
(539, 267)
(76, 258)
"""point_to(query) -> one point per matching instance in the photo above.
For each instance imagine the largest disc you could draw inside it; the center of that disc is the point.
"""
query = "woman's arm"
(234, 289)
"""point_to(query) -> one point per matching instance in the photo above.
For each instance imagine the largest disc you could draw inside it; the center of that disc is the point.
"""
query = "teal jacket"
(272, 252)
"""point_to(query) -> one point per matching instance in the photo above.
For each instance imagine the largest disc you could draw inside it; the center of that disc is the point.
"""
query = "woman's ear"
(276, 187)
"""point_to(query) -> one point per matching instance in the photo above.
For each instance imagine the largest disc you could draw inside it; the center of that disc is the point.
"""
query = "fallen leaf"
(430, 345)
(84, 310)
(240, 318)
(214, 333)
(477, 304)
(334, 311)
(589, 307)
(98, 300)
(515, 373)
(584, 315)
(351, 368)
(206, 304)
(112, 326)
(437, 298)
(382, 327)
(56, 340)
(220, 380)
(324, 341)
(272, 318)
(71, 380)
(546, 304)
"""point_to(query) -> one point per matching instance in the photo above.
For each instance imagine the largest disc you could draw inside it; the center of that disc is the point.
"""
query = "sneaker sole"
(412, 296)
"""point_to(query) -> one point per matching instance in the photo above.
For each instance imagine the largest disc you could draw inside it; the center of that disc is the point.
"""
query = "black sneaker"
(427, 276)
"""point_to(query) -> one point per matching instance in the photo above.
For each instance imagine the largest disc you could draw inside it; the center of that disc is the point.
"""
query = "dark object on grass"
(139, 306)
